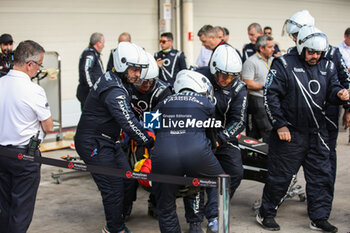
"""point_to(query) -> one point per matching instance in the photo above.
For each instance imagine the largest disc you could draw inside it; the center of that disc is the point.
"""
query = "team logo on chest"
(314, 87)
(166, 62)
(142, 105)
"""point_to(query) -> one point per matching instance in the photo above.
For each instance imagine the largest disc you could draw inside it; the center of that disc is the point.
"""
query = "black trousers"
(284, 160)
(260, 125)
(19, 182)
(332, 112)
(191, 159)
(112, 188)
(230, 158)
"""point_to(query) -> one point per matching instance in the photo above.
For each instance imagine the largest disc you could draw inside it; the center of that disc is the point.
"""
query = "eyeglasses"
(40, 65)
(312, 52)
(163, 41)
(267, 33)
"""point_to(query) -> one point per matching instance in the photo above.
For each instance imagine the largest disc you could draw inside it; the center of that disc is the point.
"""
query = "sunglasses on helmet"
(312, 52)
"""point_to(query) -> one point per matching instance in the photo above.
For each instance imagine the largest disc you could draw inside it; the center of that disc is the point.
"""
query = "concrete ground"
(75, 204)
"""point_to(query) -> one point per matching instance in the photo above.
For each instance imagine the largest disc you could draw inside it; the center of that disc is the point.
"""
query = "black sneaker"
(267, 223)
(323, 225)
(195, 227)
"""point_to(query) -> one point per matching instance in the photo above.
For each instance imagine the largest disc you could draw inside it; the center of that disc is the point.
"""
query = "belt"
(18, 147)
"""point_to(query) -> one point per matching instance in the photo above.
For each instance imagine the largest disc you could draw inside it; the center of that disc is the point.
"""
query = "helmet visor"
(141, 66)
(224, 79)
(144, 85)
(302, 41)
(141, 81)
(234, 74)
(319, 43)
(288, 26)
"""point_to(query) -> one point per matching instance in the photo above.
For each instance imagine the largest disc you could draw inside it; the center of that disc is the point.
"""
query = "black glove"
(150, 143)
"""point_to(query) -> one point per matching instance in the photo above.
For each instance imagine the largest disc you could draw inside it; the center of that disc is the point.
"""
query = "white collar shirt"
(345, 51)
(23, 104)
(204, 57)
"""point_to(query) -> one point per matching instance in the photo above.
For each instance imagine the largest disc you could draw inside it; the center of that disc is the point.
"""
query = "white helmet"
(129, 55)
(153, 70)
(226, 60)
(192, 80)
(297, 21)
(149, 74)
(312, 38)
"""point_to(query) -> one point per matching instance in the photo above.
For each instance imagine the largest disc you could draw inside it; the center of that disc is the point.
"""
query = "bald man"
(125, 36)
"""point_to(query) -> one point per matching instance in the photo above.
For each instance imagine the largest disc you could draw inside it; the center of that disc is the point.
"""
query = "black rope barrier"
(179, 180)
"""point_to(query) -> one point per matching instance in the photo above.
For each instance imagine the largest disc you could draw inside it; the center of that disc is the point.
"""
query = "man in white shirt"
(345, 48)
(24, 111)
(205, 53)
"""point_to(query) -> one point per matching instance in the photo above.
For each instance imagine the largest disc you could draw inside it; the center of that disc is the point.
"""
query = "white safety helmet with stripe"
(153, 70)
(127, 55)
(311, 38)
(194, 81)
(297, 21)
(226, 60)
(149, 75)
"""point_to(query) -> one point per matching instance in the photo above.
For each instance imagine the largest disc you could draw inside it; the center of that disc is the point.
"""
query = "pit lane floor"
(75, 204)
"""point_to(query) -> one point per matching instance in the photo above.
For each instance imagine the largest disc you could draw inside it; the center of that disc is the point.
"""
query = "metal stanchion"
(224, 203)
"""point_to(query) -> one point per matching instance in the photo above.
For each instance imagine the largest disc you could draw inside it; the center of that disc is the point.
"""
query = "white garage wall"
(331, 16)
(65, 26)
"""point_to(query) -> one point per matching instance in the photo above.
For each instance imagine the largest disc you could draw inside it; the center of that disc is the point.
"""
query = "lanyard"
(267, 64)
